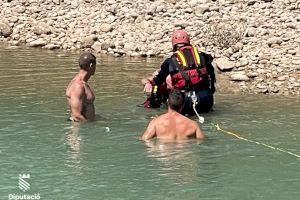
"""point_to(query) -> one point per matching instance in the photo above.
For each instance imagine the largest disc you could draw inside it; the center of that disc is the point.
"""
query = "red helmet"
(180, 36)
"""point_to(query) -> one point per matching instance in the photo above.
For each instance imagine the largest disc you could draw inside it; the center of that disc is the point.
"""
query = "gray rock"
(96, 46)
(20, 9)
(261, 86)
(296, 62)
(105, 28)
(5, 29)
(292, 51)
(261, 71)
(74, 4)
(251, 32)
(38, 43)
(214, 8)
(224, 64)
(181, 24)
(105, 46)
(201, 9)
(193, 3)
(52, 46)
(41, 28)
(152, 9)
(274, 89)
(57, 2)
(134, 54)
(34, 9)
(274, 40)
(252, 74)
(239, 77)
(150, 53)
(88, 41)
(281, 78)
(251, 2)
(13, 19)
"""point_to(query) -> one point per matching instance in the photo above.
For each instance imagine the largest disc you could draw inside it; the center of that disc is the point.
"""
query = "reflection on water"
(73, 140)
(177, 159)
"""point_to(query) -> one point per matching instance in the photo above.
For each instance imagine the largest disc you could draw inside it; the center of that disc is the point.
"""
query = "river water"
(105, 159)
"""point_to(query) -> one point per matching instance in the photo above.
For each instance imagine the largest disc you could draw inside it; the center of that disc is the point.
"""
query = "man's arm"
(146, 80)
(199, 132)
(210, 69)
(163, 73)
(76, 102)
(150, 131)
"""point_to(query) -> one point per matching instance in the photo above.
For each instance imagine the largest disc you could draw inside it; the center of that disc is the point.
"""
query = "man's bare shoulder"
(195, 122)
(186, 119)
(190, 121)
(160, 117)
(75, 87)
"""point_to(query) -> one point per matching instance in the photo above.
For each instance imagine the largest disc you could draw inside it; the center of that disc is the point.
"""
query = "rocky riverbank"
(255, 43)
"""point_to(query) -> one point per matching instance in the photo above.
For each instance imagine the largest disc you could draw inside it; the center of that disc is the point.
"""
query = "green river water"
(105, 159)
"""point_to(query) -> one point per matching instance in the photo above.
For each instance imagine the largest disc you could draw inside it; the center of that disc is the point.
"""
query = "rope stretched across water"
(201, 120)
(252, 141)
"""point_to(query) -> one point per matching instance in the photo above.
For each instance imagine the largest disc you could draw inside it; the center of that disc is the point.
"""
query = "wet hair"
(176, 100)
(86, 59)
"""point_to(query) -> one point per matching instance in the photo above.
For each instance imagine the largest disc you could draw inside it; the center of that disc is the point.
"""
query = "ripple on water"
(86, 161)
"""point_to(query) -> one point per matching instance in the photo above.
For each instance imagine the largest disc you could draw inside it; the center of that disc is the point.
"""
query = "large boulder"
(38, 43)
(88, 41)
(224, 64)
(239, 77)
(41, 28)
(96, 47)
(5, 29)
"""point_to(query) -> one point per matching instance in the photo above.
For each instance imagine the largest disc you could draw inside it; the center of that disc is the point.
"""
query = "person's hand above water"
(148, 88)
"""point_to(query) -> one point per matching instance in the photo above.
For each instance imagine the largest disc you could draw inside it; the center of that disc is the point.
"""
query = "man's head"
(87, 61)
(176, 100)
(180, 37)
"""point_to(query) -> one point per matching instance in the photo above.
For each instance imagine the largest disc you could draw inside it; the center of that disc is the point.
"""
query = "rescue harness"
(190, 67)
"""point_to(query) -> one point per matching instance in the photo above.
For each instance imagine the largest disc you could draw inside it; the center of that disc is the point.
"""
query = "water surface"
(105, 160)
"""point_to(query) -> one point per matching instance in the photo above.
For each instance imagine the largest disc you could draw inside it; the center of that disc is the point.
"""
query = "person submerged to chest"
(80, 97)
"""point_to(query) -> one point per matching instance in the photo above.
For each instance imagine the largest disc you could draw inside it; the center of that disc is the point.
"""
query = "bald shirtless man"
(80, 96)
(172, 125)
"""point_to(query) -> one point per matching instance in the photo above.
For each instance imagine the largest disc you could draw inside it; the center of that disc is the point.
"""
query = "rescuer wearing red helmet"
(191, 72)
(180, 37)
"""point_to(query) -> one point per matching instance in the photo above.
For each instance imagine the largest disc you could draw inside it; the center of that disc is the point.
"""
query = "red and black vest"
(190, 69)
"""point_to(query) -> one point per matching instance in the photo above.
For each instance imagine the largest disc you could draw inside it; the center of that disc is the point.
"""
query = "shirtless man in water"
(80, 96)
(172, 125)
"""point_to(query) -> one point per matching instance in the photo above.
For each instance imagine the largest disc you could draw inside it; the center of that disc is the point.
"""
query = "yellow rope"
(259, 143)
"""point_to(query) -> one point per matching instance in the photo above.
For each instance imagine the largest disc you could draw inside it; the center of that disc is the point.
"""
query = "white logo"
(23, 184)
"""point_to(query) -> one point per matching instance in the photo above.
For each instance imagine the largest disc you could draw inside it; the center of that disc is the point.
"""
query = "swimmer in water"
(173, 125)
(80, 97)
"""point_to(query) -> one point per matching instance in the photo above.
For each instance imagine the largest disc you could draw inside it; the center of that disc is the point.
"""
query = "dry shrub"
(224, 35)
